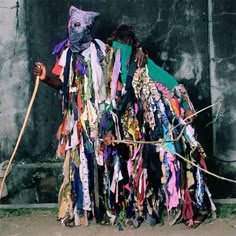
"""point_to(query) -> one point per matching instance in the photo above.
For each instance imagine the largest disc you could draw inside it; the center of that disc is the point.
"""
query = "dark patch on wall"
(46, 112)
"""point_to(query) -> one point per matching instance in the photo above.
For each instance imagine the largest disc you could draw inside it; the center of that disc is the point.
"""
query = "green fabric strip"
(160, 75)
(184, 103)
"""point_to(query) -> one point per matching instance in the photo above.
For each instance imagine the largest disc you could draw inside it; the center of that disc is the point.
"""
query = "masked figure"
(114, 91)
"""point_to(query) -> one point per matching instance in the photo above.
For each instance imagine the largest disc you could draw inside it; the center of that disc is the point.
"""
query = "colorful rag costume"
(104, 92)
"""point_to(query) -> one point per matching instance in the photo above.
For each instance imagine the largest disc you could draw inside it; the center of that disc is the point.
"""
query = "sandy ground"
(44, 223)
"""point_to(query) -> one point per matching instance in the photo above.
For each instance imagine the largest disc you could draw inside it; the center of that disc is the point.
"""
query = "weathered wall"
(222, 68)
(176, 35)
(14, 78)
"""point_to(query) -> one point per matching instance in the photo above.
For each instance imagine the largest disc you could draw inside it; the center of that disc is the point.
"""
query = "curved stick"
(197, 166)
(21, 133)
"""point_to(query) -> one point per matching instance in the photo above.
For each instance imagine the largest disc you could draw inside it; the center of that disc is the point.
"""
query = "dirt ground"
(32, 222)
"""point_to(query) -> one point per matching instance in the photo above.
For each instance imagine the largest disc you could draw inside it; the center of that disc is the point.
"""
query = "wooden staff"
(21, 133)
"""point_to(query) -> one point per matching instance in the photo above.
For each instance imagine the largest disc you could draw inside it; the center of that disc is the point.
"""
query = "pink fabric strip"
(173, 200)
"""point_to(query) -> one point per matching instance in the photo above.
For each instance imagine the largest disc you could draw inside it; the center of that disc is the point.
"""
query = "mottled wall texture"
(195, 41)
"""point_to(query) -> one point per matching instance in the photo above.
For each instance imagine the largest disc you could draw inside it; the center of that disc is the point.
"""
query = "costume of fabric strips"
(104, 92)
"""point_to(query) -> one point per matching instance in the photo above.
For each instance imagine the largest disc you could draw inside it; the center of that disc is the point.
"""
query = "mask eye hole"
(77, 24)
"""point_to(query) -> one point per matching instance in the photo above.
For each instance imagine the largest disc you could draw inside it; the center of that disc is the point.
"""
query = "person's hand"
(140, 58)
(108, 139)
(40, 70)
(189, 115)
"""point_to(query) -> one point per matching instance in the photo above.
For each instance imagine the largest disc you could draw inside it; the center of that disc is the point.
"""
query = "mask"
(79, 28)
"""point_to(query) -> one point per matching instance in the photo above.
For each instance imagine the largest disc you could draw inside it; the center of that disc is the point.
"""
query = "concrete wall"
(14, 77)
(192, 40)
(222, 68)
